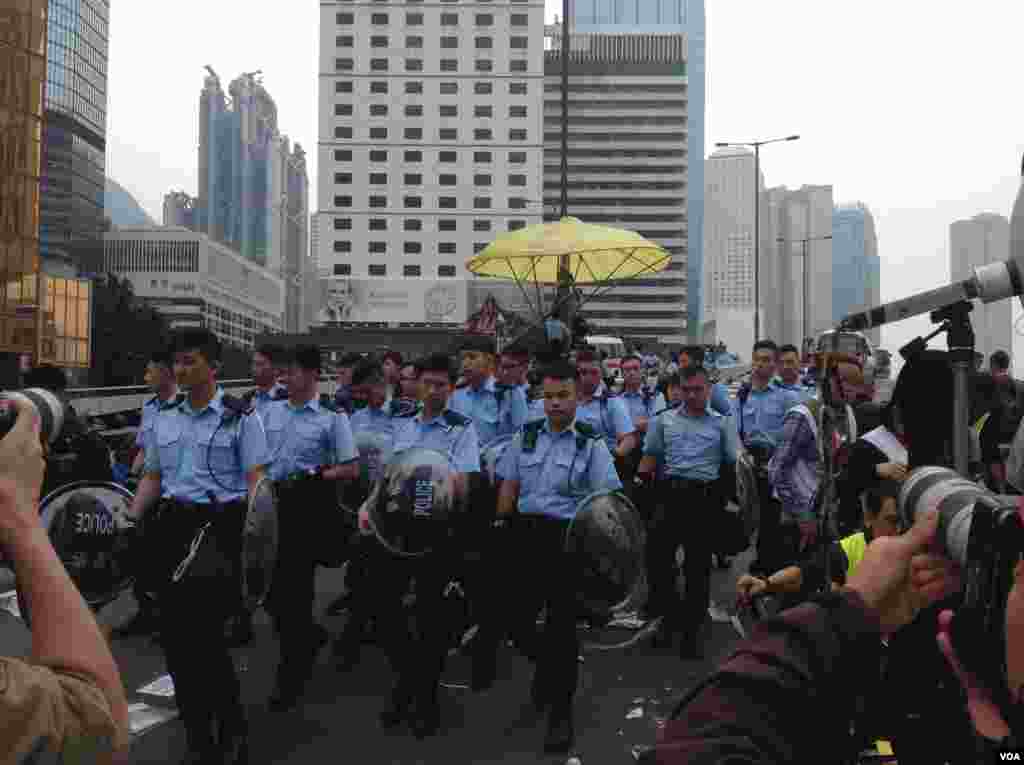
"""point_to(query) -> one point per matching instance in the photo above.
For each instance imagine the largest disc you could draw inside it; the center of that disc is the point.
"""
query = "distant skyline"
(920, 121)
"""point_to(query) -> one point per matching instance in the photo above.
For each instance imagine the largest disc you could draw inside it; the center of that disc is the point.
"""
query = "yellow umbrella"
(597, 254)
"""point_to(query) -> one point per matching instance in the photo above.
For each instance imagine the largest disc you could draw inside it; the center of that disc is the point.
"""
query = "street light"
(757, 217)
(804, 242)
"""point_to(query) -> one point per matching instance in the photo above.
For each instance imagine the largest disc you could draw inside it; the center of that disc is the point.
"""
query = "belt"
(298, 480)
(688, 484)
(198, 507)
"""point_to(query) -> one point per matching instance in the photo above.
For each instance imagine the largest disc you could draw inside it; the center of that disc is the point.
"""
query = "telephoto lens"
(50, 408)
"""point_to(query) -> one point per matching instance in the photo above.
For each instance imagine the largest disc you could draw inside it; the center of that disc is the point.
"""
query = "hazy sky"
(910, 107)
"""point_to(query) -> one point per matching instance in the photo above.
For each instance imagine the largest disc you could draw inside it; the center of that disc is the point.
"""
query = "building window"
(483, 134)
(449, 88)
(414, 20)
(410, 270)
(485, 19)
(447, 156)
(447, 224)
(518, 65)
(378, 110)
(483, 88)
(378, 156)
(378, 224)
(342, 269)
(343, 86)
(413, 156)
(481, 225)
(377, 247)
(448, 110)
(378, 269)
(413, 224)
(412, 203)
(446, 270)
(449, 42)
(343, 201)
(342, 224)
(378, 133)
(446, 248)
(343, 246)
(413, 41)
(414, 65)
(517, 134)
(482, 179)
(517, 88)
(483, 111)
(414, 87)
(344, 64)
(343, 177)
(516, 203)
(378, 179)
(517, 180)
(448, 134)
(515, 225)
(342, 132)
(379, 19)
(484, 65)
(482, 156)
(484, 43)
(449, 65)
(413, 179)
(446, 203)
(518, 43)
(378, 64)
(481, 203)
(379, 41)
(449, 19)
(517, 157)
(344, 19)
(379, 87)
(413, 134)
(343, 155)
(477, 246)
(448, 179)
(412, 248)
(519, 20)
(377, 201)
(344, 41)
(517, 111)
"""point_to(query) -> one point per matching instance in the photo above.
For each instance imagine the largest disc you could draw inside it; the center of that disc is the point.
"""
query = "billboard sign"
(344, 299)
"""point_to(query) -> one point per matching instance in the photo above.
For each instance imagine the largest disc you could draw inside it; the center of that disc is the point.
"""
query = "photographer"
(787, 695)
(69, 697)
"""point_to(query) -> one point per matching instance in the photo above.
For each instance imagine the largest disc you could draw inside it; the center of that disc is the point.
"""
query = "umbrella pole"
(565, 281)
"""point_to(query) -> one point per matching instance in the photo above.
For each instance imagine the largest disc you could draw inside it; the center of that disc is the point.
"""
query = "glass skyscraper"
(666, 17)
(74, 131)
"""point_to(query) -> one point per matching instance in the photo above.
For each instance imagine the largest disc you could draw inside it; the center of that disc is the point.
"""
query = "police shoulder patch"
(455, 420)
(586, 429)
(531, 432)
(328, 403)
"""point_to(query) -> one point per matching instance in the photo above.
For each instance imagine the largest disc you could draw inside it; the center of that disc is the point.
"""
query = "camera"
(52, 411)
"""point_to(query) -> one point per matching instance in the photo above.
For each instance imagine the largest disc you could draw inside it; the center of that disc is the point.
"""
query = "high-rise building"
(794, 253)
(856, 267)
(74, 133)
(728, 263)
(627, 166)
(430, 145)
(975, 242)
(664, 17)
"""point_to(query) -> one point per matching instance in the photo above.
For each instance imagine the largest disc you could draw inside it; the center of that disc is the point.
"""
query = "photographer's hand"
(891, 471)
(21, 474)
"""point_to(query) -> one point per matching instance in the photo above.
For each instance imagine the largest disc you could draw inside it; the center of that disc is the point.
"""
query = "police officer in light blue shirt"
(789, 372)
(547, 470)
(699, 450)
(495, 409)
(203, 458)
(311, 447)
(605, 413)
(641, 402)
(269, 363)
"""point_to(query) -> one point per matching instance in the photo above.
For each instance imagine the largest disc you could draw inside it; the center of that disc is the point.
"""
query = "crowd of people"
(672, 440)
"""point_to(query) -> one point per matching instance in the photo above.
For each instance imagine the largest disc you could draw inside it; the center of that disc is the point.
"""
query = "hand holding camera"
(21, 472)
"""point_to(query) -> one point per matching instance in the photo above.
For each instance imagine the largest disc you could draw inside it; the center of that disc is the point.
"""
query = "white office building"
(197, 282)
(975, 242)
(430, 125)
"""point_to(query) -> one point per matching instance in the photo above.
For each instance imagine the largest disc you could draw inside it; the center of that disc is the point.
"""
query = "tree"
(125, 332)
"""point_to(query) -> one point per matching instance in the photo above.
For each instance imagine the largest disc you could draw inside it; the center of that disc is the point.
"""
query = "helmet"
(417, 504)
(607, 539)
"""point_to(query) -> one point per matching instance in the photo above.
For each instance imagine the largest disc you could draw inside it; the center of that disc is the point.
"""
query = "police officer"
(160, 378)
(311, 446)
(550, 466)
(203, 457)
(268, 364)
(719, 398)
(699, 449)
(605, 413)
(789, 371)
(345, 369)
(495, 409)
(758, 412)
(418, 665)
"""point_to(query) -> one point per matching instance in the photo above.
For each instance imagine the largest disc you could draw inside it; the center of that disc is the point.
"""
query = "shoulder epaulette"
(235, 407)
(154, 400)
(586, 430)
(531, 432)
(174, 402)
(455, 420)
(327, 402)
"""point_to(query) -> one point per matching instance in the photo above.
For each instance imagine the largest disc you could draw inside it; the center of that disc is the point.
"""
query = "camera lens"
(49, 407)
(945, 490)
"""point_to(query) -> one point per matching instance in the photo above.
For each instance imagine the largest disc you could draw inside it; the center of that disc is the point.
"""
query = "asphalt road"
(340, 713)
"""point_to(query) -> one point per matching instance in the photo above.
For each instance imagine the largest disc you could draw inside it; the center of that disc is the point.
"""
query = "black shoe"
(560, 735)
(143, 623)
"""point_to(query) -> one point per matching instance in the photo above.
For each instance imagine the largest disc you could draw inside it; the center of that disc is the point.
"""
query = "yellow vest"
(853, 546)
(980, 424)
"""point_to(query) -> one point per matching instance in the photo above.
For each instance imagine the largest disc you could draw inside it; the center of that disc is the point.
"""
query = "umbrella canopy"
(596, 254)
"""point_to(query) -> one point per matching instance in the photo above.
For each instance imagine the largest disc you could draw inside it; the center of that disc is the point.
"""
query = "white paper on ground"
(143, 717)
(162, 687)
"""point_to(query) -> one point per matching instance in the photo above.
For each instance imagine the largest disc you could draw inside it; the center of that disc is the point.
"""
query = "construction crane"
(213, 74)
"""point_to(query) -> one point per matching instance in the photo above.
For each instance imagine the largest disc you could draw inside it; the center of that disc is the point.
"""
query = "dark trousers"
(684, 516)
(291, 595)
(772, 550)
(193, 612)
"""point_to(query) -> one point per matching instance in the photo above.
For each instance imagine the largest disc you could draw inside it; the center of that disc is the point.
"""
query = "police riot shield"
(746, 492)
(259, 544)
(607, 538)
(415, 507)
(88, 527)
(491, 454)
(374, 451)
